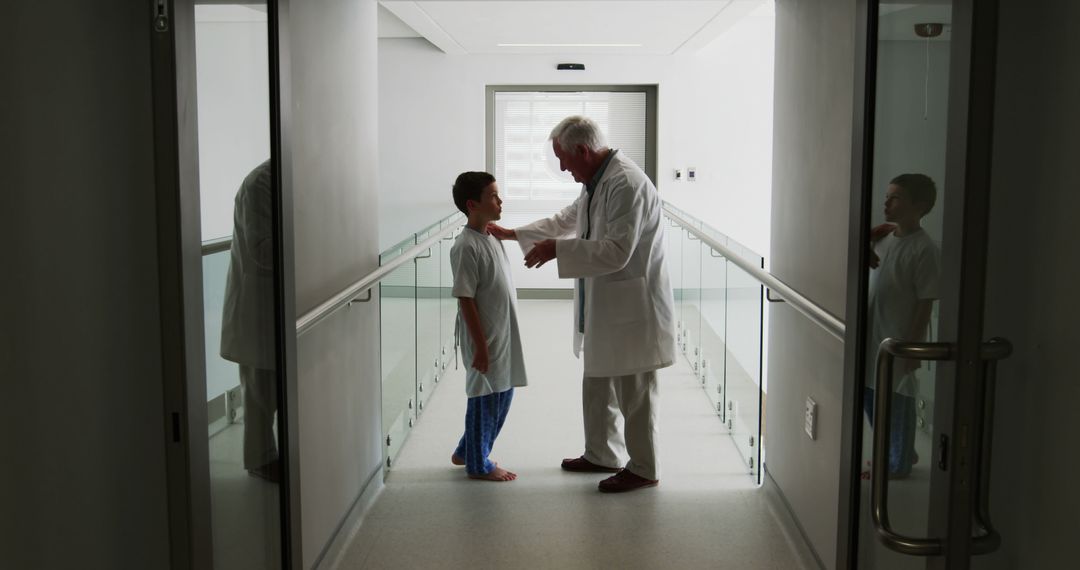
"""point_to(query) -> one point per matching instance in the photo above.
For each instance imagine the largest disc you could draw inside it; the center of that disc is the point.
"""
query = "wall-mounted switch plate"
(678, 175)
(811, 418)
(691, 174)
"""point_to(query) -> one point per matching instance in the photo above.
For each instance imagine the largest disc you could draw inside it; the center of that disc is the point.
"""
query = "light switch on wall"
(678, 175)
(691, 174)
(811, 418)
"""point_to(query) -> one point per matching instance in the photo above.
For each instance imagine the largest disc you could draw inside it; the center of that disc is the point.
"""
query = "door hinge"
(161, 15)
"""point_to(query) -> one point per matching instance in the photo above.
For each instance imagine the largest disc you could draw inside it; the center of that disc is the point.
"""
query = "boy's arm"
(470, 313)
(920, 321)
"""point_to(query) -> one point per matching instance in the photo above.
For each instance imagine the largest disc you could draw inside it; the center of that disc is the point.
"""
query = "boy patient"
(487, 325)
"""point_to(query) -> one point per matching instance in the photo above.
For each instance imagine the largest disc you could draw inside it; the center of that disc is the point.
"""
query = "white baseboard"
(797, 536)
(335, 549)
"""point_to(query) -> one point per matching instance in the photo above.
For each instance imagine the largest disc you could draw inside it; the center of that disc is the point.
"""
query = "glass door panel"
(237, 200)
(905, 236)
(916, 508)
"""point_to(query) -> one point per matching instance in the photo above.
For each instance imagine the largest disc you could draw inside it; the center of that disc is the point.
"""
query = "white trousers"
(634, 399)
(260, 405)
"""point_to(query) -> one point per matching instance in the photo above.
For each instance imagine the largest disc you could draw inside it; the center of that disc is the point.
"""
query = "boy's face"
(489, 208)
(899, 207)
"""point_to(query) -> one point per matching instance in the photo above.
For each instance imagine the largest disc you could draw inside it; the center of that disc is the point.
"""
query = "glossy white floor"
(706, 513)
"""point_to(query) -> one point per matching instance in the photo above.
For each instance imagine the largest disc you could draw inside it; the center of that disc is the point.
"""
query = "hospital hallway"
(238, 238)
(707, 511)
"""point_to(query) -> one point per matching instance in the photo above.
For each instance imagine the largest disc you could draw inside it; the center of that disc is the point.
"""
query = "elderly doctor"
(611, 240)
(247, 320)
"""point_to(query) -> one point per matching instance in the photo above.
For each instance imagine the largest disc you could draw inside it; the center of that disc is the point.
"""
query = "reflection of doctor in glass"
(247, 329)
(905, 264)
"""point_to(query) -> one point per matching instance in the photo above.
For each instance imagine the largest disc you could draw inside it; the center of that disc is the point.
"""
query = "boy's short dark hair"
(920, 189)
(470, 186)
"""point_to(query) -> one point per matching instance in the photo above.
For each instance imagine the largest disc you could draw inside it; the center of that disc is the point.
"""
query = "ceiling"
(655, 27)
(897, 19)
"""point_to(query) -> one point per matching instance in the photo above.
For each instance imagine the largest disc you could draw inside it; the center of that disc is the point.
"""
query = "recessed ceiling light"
(569, 45)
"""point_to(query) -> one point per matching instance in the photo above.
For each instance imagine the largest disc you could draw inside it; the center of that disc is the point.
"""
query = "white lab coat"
(629, 306)
(247, 320)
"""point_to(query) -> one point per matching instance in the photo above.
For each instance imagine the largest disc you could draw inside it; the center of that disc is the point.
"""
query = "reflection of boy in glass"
(905, 264)
(247, 323)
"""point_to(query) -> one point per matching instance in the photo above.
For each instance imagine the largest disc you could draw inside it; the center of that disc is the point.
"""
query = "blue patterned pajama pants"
(484, 418)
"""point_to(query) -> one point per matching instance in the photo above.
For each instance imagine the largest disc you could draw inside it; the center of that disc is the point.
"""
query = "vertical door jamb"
(862, 168)
(171, 26)
(284, 281)
(968, 168)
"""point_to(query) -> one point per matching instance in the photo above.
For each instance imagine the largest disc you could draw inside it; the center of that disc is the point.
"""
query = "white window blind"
(525, 165)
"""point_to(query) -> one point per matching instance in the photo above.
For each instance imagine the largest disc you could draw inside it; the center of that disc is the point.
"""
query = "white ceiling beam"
(731, 13)
(416, 18)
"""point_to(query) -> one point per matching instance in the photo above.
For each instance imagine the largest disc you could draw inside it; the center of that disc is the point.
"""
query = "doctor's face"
(573, 162)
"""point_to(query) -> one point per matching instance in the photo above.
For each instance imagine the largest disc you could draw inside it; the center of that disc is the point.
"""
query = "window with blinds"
(525, 164)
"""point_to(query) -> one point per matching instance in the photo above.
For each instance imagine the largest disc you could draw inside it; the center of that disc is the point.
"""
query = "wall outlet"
(811, 418)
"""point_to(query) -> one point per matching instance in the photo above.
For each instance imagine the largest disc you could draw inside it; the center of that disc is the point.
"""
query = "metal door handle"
(879, 490)
(992, 351)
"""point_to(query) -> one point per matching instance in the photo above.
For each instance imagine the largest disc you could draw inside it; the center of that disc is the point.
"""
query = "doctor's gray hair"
(577, 130)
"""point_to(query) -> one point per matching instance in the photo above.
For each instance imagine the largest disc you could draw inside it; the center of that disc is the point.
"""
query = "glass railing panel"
(720, 312)
(397, 294)
(448, 304)
(223, 393)
(743, 363)
(691, 300)
(428, 318)
(673, 242)
(714, 327)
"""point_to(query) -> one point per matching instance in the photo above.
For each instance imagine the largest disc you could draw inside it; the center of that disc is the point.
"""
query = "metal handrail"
(798, 301)
(217, 245)
(331, 305)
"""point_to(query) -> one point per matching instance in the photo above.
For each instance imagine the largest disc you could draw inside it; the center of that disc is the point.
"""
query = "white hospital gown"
(482, 272)
(908, 273)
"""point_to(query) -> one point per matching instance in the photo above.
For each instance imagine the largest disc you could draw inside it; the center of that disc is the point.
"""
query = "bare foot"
(456, 460)
(497, 474)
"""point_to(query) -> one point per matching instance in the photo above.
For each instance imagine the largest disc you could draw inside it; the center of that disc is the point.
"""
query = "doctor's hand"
(501, 233)
(541, 253)
(480, 359)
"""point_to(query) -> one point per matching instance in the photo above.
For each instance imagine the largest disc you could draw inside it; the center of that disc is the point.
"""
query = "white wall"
(81, 433)
(232, 77)
(334, 159)
(714, 114)
(811, 186)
